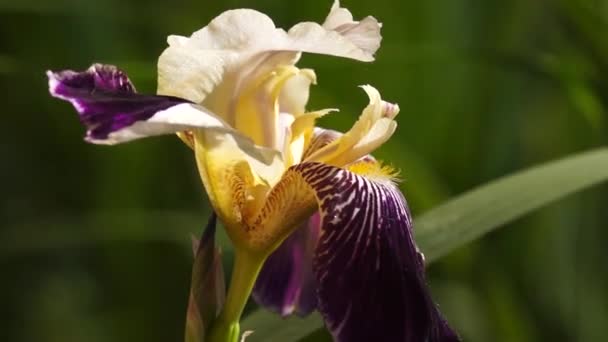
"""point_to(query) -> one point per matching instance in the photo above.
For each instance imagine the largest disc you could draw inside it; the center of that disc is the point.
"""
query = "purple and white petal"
(113, 112)
(286, 283)
(370, 275)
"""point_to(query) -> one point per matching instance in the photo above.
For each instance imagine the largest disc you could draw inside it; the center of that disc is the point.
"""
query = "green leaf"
(465, 218)
(490, 206)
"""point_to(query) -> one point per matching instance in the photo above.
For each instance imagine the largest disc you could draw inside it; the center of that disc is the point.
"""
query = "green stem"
(246, 268)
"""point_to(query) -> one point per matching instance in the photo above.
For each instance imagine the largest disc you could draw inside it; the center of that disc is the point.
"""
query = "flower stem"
(246, 268)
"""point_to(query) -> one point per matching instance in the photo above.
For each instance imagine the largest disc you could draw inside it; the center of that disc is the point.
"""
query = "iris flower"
(316, 222)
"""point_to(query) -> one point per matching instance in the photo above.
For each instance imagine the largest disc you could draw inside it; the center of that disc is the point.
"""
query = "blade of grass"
(494, 204)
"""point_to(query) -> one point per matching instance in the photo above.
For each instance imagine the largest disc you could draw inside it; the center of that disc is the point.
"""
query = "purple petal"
(286, 283)
(107, 103)
(370, 276)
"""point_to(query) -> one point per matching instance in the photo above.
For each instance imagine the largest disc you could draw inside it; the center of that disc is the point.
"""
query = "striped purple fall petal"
(370, 276)
(286, 283)
(113, 112)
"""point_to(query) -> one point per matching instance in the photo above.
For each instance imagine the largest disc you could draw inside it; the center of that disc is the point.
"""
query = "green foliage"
(469, 216)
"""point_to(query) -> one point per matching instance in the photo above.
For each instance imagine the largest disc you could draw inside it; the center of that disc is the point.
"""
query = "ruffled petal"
(113, 112)
(286, 283)
(365, 33)
(250, 31)
(374, 127)
(370, 276)
(238, 42)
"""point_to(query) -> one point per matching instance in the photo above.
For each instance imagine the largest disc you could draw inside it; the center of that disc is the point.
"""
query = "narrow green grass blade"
(492, 205)
(464, 219)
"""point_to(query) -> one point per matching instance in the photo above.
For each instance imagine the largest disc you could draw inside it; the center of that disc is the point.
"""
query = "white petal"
(295, 93)
(365, 34)
(181, 117)
(250, 31)
(337, 16)
(246, 76)
(226, 49)
(239, 29)
(191, 74)
(257, 110)
(313, 38)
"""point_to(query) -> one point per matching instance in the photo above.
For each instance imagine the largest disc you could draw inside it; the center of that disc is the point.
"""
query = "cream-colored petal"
(365, 33)
(339, 35)
(238, 29)
(237, 42)
(210, 65)
(284, 135)
(373, 128)
(337, 16)
(191, 74)
(313, 38)
(257, 108)
(296, 91)
(258, 67)
(250, 30)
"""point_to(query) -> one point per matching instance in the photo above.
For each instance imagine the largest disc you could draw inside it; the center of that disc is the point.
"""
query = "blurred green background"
(94, 241)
